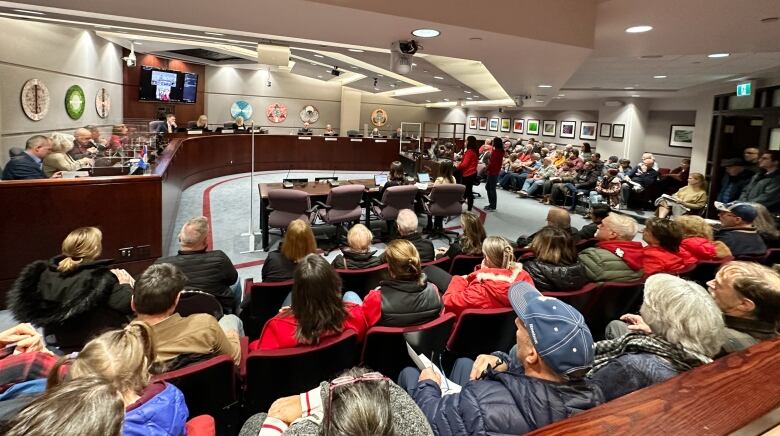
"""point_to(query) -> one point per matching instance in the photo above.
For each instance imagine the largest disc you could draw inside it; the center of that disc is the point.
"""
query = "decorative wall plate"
(379, 117)
(35, 99)
(75, 101)
(103, 103)
(241, 108)
(276, 112)
(310, 114)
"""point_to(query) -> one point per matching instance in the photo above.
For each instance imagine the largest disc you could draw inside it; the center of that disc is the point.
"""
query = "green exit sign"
(743, 89)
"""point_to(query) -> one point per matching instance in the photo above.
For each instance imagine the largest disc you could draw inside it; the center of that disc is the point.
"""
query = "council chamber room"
(402, 218)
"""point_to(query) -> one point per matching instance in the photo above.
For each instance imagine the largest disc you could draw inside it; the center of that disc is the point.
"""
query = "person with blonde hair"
(238, 124)
(766, 226)
(690, 198)
(202, 124)
(555, 266)
(73, 293)
(698, 241)
(358, 254)
(59, 159)
(487, 286)
(407, 297)
(679, 328)
(470, 241)
(298, 242)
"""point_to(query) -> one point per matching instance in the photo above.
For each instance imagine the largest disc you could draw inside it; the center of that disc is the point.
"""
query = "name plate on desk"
(380, 140)
(227, 130)
(194, 132)
(331, 139)
(356, 139)
(306, 138)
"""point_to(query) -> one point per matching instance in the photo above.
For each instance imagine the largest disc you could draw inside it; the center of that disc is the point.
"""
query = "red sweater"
(494, 164)
(279, 331)
(660, 260)
(485, 288)
(468, 166)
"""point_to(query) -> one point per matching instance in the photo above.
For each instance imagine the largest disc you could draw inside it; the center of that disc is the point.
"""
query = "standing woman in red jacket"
(468, 169)
(493, 170)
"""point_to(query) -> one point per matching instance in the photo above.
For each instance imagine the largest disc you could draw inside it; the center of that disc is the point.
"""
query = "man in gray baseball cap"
(504, 395)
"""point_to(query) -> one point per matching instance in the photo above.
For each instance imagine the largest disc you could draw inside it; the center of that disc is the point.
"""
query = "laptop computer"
(380, 179)
(423, 177)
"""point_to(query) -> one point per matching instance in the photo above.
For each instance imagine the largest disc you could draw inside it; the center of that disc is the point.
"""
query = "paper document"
(447, 386)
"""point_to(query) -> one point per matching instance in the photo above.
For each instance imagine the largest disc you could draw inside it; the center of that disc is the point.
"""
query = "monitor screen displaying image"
(167, 86)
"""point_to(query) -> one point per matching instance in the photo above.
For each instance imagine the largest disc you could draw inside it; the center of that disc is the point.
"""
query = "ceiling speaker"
(275, 55)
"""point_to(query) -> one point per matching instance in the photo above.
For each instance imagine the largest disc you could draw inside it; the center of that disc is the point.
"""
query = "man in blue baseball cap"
(737, 230)
(504, 395)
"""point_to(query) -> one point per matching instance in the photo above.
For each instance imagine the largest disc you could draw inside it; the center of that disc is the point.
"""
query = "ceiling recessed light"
(313, 63)
(659, 77)
(379, 75)
(540, 101)
(544, 86)
(468, 98)
(427, 101)
(446, 99)
(718, 55)
(629, 87)
(561, 95)
(138, 43)
(354, 67)
(356, 50)
(467, 92)
(426, 33)
(25, 11)
(103, 26)
(318, 56)
(319, 77)
(214, 33)
(376, 89)
(438, 77)
(634, 95)
(639, 29)
(413, 64)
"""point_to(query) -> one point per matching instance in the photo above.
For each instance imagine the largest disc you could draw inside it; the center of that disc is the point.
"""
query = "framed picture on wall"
(567, 129)
(518, 126)
(548, 128)
(588, 130)
(482, 123)
(493, 125)
(473, 123)
(617, 131)
(506, 124)
(681, 136)
(606, 130)
(532, 127)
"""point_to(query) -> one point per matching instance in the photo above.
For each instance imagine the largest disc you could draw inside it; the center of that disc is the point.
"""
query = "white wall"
(60, 57)
(657, 136)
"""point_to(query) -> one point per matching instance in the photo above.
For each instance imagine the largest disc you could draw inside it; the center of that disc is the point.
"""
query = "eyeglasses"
(348, 380)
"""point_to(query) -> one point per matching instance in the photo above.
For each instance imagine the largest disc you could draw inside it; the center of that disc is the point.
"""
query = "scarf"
(679, 357)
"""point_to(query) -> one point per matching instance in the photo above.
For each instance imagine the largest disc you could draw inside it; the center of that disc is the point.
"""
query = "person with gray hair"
(616, 256)
(679, 328)
(82, 144)
(407, 224)
(207, 270)
(358, 402)
(59, 159)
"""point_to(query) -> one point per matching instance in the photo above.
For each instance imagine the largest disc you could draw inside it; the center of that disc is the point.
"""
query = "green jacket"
(603, 266)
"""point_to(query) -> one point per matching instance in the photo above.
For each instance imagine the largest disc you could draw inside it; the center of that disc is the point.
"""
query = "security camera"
(406, 47)
(130, 60)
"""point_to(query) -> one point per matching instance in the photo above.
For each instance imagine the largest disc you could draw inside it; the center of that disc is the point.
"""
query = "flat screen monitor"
(167, 86)
(380, 179)
(423, 177)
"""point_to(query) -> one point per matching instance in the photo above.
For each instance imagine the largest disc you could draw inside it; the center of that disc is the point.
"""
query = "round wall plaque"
(74, 102)
(379, 117)
(103, 103)
(241, 109)
(276, 112)
(310, 114)
(35, 99)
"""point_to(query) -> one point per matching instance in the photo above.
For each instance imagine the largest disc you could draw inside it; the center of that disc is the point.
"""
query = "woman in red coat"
(318, 309)
(662, 254)
(698, 243)
(468, 169)
(493, 170)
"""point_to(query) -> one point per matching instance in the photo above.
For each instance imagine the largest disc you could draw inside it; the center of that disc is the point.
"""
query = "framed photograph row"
(531, 126)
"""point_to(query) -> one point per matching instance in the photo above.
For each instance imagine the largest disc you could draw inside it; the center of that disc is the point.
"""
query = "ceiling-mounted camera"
(401, 53)
(130, 60)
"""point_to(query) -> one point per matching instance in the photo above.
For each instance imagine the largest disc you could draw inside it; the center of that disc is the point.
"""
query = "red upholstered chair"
(705, 271)
(274, 374)
(482, 331)
(393, 200)
(360, 281)
(209, 387)
(443, 201)
(442, 262)
(262, 302)
(192, 301)
(384, 348)
(464, 264)
(605, 303)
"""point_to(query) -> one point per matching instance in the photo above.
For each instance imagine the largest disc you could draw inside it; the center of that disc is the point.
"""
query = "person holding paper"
(692, 197)
(544, 383)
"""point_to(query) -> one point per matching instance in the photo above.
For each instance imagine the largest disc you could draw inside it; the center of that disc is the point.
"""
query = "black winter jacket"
(409, 303)
(277, 268)
(353, 260)
(208, 271)
(550, 277)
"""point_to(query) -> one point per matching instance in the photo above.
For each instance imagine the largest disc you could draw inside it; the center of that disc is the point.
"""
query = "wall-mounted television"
(167, 86)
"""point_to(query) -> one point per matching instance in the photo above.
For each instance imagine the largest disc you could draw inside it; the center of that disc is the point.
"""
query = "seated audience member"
(535, 182)
(679, 328)
(748, 294)
(565, 174)
(297, 243)
(59, 159)
(698, 240)
(82, 145)
(764, 187)
(406, 223)
(169, 126)
(736, 177)
(119, 137)
(317, 309)
(95, 138)
(766, 226)
(597, 214)
(608, 188)
(29, 165)
(737, 231)
(329, 130)
(125, 358)
(612, 162)
(88, 406)
(181, 338)
(574, 160)
(555, 218)
(358, 254)
(470, 241)
(691, 198)
(358, 402)
(662, 254)
(395, 177)
(445, 174)
(72, 291)
(676, 179)
(586, 153)
(486, 287)
(207, 271)
(559, 158)
(598, 164)
(616, 256)
(202, 124)
(238, 124)
(638, 179)
(752, 156)
(407, 297)
(555, 266)
(505, 394)
(583, 182)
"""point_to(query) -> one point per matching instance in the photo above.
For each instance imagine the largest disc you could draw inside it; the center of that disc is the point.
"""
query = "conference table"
(137, 214)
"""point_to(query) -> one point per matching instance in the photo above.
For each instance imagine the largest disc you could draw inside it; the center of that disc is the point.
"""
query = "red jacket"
(468, 166)
(694, 249)
(279, 331)
(660, 260)
(494, 164)
(631, 252)
(485, 288)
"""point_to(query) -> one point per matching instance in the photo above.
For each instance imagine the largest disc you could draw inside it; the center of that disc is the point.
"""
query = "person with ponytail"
(407, 298)
(73, 296)
(488, 286)
(125, 358)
